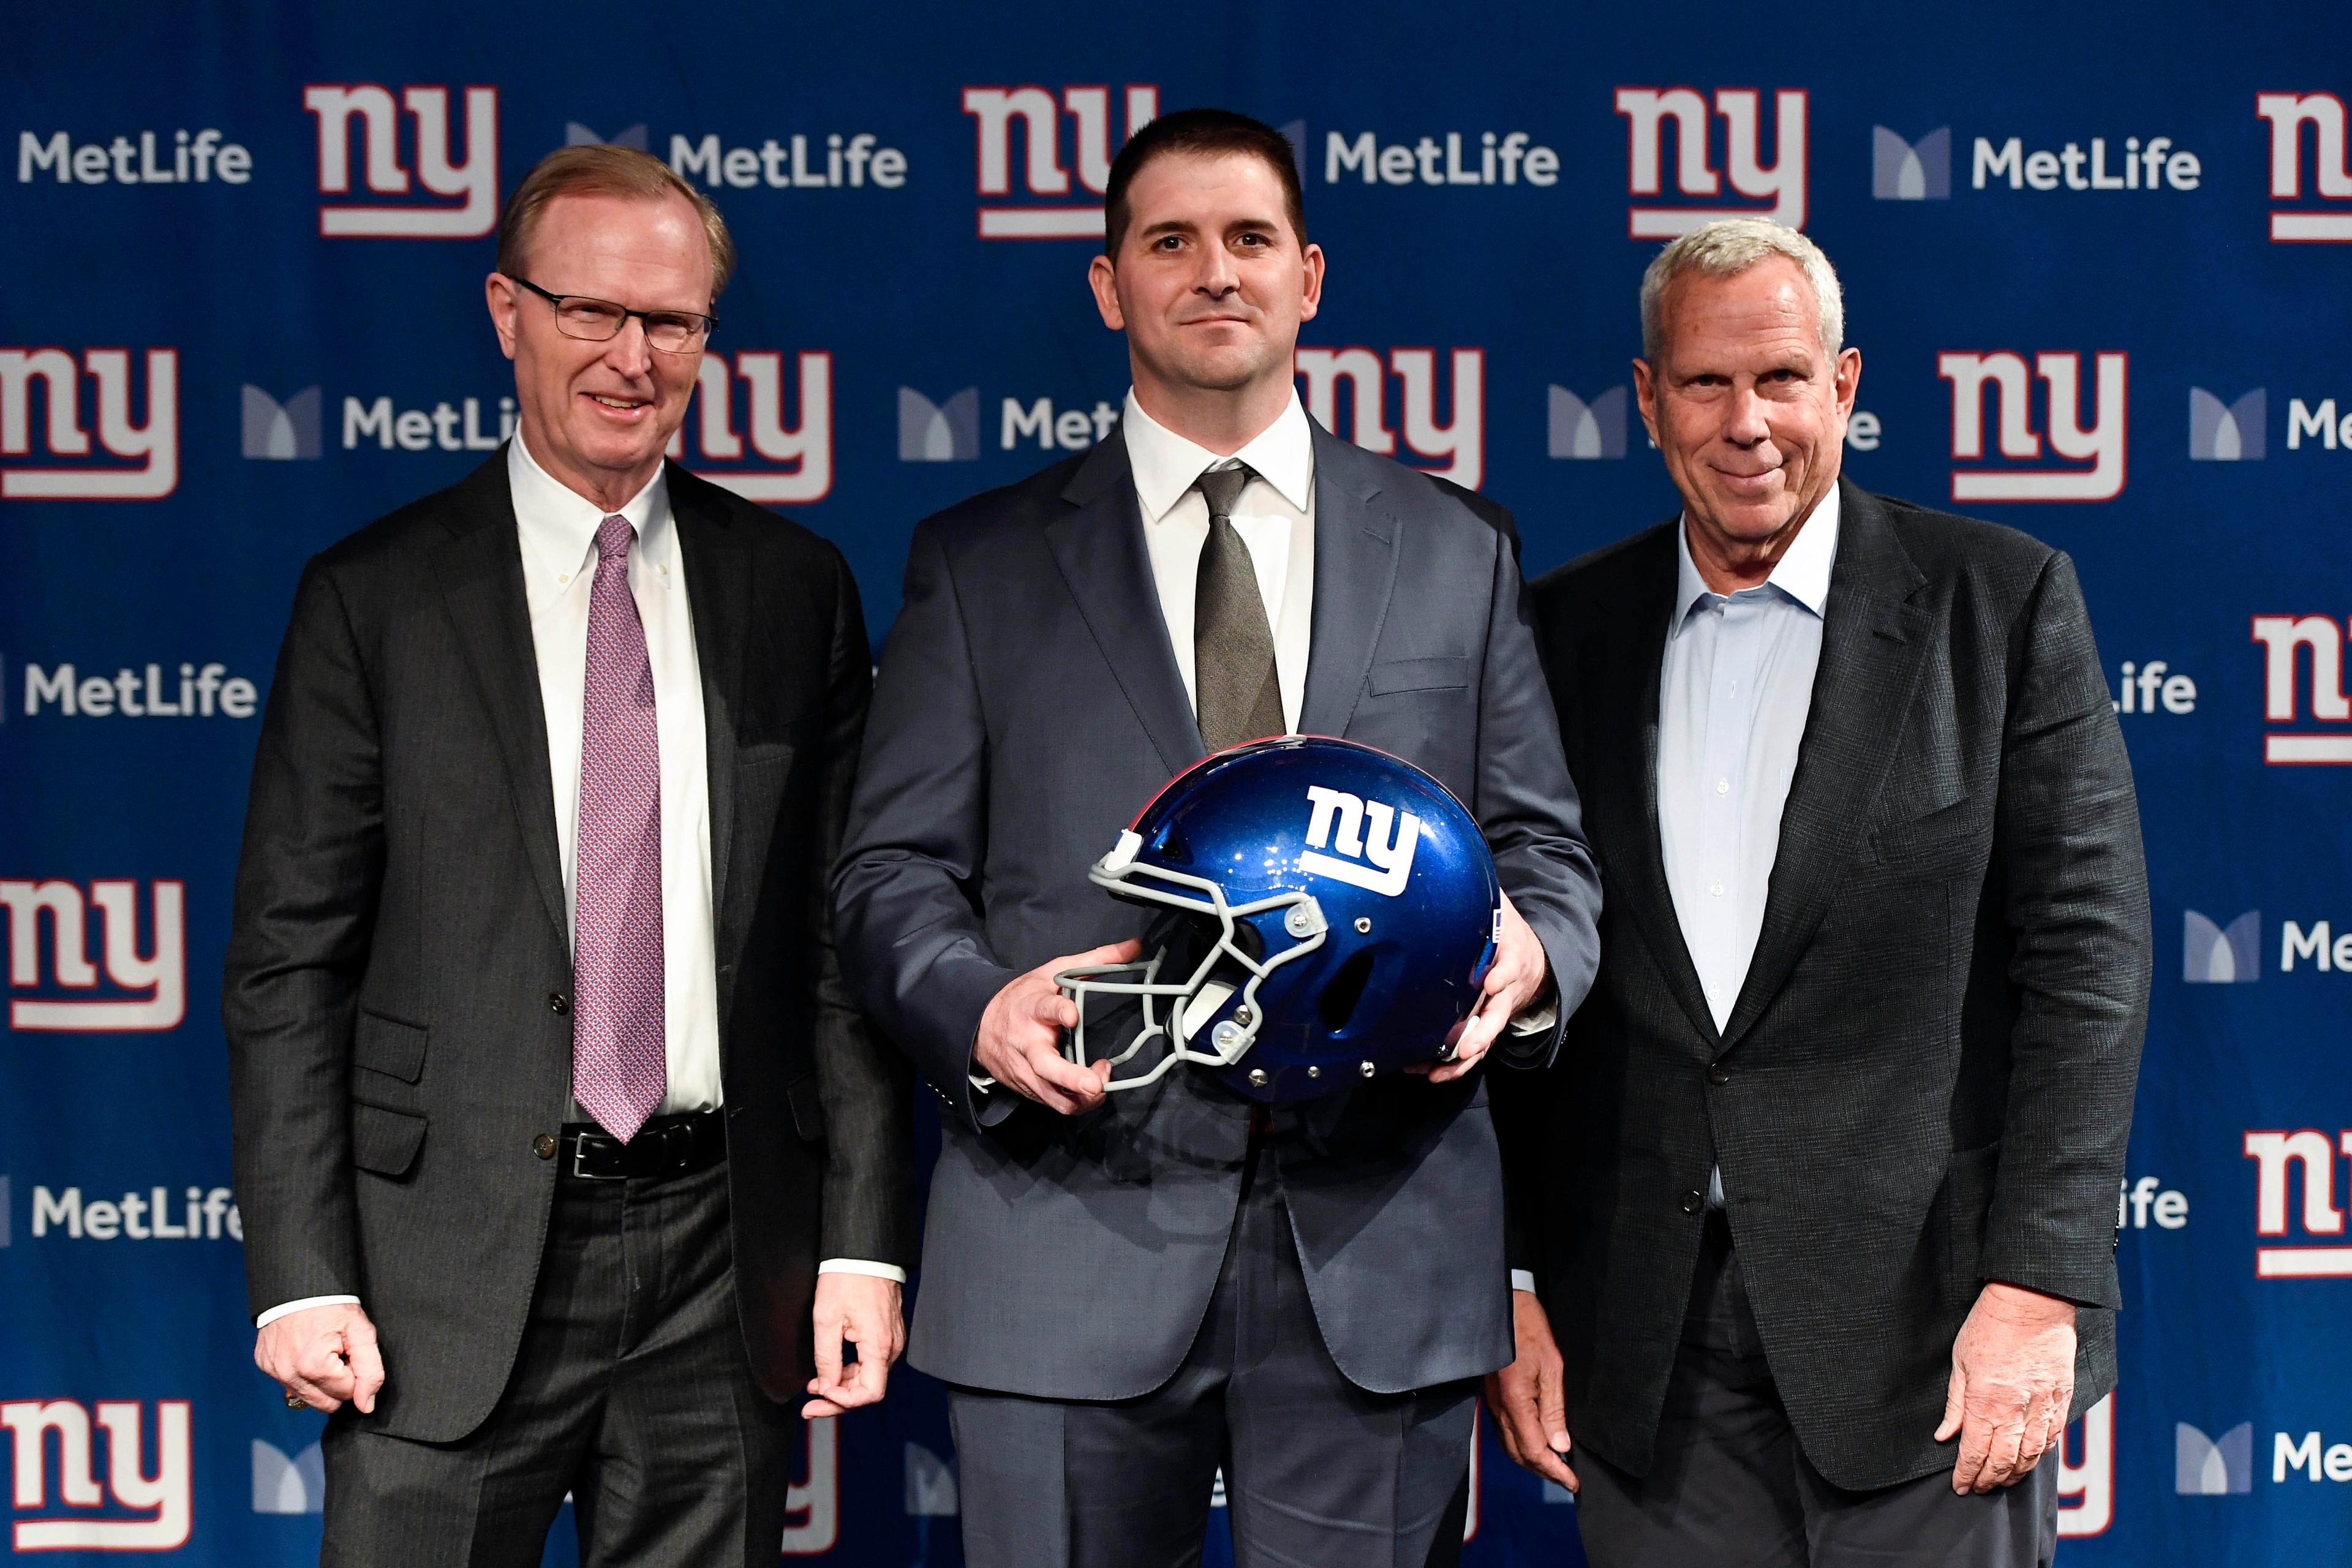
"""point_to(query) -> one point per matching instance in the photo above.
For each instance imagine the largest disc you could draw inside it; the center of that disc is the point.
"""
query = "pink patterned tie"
(619, 1070)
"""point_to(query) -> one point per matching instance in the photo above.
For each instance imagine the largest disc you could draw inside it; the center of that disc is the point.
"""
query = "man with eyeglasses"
(566, 1166)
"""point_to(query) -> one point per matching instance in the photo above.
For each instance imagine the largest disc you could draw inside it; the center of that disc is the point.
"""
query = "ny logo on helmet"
(1394, 837)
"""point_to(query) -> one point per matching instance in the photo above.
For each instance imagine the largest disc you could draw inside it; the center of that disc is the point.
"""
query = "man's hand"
(1020, 1040)
(859, 1309)
(326, 1355)
(1519, 974)
(1526, 1397)
(2012, 1380)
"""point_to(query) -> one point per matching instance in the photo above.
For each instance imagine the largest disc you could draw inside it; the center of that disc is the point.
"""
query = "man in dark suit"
(1127, 1292)
(549, 1100)
(1825, 1178)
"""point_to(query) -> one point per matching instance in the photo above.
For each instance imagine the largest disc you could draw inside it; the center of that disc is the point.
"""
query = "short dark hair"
(1202, 133)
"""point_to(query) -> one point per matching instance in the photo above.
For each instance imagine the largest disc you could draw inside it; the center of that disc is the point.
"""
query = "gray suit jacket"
(399, 968)
(1926, 1080)
(1029, 704)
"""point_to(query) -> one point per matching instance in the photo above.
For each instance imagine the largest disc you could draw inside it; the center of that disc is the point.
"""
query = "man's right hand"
(1527, 1398)
(1020, 1040)
(326, 1355)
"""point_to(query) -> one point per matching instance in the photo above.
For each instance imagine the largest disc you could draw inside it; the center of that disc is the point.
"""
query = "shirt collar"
(559, 525)
(1802, 574)
(1166, 464)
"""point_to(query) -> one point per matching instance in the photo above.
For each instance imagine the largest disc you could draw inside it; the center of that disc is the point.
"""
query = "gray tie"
(1233, 647)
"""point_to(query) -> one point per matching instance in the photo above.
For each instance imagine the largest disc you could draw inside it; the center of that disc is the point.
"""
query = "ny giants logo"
(2309, 1154)
(474, 184)
(163, 1500)
(151, 991)
(813, 1506)
(2280, 636)
(1048, 214)
(2086, 1490)
(1460, 447)
(2100, 444)
(1779, 191)
(800, 456)
(2288, 112)
(155, 445)
(1395, 835)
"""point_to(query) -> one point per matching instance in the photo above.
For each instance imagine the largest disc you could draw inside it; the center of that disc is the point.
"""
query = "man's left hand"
(2012, 1382)
(1519, 974)
(859, 1309)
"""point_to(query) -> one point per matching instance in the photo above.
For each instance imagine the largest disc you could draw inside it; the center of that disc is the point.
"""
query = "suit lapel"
(1631, 657)
(481, 584)
(718, 591)
(1356, 551)
(1874, 641)
(1098, 546)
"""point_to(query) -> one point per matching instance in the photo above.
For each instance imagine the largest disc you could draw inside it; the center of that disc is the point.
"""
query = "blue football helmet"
(1336, 909)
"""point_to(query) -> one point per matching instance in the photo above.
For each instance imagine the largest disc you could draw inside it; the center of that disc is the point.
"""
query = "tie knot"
(613, 536)
(1223, 487)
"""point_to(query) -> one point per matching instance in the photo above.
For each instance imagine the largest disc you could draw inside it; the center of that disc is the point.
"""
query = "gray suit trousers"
(632, 1391)
(1731, 1487)
(1319, 1472)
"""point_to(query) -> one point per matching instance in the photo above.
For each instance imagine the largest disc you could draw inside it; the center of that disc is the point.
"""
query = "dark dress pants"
(1730, 1488)
(1317, 1472)
(632, 1391)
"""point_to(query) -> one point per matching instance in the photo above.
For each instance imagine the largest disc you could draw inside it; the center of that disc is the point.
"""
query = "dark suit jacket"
(1029, 705)
(399, 970)
(1926, 1080)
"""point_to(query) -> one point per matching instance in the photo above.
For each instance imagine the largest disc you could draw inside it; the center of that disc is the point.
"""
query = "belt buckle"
(580, 1152)
(679, 1136)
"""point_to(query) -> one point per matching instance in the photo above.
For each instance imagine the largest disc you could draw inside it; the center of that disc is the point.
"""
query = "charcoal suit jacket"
(1926, 1080)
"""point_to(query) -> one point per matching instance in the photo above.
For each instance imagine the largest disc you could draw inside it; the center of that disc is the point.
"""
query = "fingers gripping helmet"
(1335, 910)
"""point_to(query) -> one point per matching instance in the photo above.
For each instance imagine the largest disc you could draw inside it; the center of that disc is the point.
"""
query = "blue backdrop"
(2090, 256)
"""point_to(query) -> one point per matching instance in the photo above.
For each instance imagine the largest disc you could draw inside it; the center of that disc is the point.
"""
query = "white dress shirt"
(1274, 516)
(557, 534)
(1734, 692)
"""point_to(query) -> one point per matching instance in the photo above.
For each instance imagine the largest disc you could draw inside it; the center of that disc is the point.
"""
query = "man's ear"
(1103, 279)
(499, 293)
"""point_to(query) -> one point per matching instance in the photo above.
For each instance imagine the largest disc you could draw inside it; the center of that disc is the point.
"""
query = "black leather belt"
(664, 1146)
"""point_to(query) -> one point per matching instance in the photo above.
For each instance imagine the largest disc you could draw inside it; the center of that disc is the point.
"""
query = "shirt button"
(1723, 786)
(544, 1145)
(563, 576)
(559, 1003)
(1694, 1201)
(1716, 888)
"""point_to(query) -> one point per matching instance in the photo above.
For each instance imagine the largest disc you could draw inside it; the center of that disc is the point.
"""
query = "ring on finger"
(295, 1401)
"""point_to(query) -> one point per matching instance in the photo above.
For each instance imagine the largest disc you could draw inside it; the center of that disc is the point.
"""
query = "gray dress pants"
(1730, 1488)
(1319, 1472)
(632, 1391)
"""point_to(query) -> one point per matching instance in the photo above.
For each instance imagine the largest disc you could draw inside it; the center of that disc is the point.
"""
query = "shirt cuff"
(860, 1266)
(1524, 1279)
(1539, 1020)
(288, 1309)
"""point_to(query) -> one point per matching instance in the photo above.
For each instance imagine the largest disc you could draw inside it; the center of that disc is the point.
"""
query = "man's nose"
(628, 352)
(1218, 277)
(1747, 424)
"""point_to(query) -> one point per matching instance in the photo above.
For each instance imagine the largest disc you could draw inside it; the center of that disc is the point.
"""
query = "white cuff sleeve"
(860, 1266)
(305, 1304)
(1538, 1020)
(1524, 1279)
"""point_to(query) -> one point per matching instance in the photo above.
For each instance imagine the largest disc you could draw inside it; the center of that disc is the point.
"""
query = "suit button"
(1694, 1201)
(544, 1145)
(559, 1003)
(1717, 1074)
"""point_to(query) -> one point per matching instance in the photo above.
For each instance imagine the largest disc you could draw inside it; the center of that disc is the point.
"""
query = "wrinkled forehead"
(1761, 315)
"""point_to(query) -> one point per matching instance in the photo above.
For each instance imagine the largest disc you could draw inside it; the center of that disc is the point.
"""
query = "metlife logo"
(1446, 158)
(2224, 1467)
(1919, 170)
(146, 158)
(149, 691)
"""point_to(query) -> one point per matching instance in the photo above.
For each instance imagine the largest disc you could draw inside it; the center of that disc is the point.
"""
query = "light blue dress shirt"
(1734, 692)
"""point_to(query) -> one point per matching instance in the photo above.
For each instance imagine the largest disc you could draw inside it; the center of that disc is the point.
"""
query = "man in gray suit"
(1819, 1202)
(564, 1158)
(1127, 1292)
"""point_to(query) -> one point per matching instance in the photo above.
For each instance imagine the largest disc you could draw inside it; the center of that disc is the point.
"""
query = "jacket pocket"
(390, 1046)
(808, 1107)
(384, 1142)
(1395, 675)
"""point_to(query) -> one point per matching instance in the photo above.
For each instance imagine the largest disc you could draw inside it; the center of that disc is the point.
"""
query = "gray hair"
(1727, 247)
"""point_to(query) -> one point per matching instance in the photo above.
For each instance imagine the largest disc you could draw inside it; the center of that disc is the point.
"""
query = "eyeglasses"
(601, 320)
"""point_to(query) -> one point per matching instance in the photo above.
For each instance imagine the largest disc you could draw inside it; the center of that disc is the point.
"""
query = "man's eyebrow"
(1170, 225)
